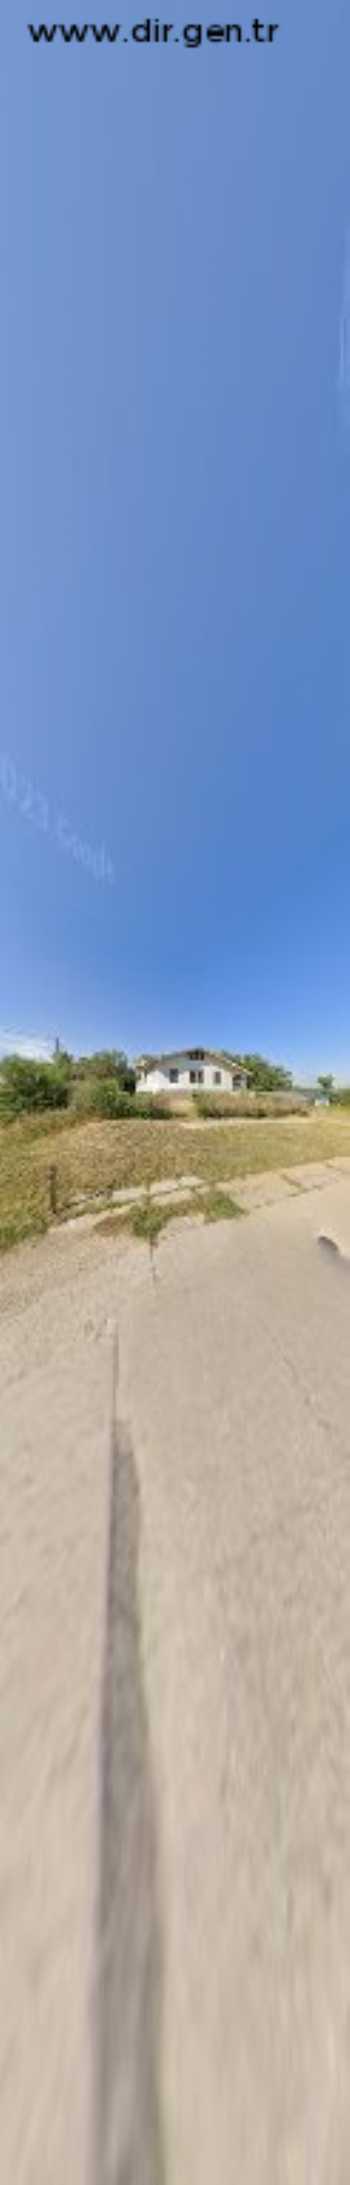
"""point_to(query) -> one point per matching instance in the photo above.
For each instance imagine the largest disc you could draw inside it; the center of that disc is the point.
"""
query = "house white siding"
(179, 1073)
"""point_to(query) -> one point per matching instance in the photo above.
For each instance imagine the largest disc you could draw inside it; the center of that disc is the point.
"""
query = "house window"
(200, 1075)
(217, 1077)
(193, 1077)
(174, 1076)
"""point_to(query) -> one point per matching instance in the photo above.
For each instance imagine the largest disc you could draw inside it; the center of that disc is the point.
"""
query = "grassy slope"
(96, 1156)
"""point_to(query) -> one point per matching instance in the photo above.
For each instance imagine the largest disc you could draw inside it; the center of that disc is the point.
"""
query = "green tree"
(63, 1062)
(111, 1064)
(266, 1076)
(29, 1085)
(326, 1084)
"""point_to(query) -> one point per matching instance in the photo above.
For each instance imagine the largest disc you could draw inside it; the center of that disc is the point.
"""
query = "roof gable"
(189, 1055)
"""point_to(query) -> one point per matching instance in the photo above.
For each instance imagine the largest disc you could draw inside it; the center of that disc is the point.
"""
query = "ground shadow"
(127, 2148)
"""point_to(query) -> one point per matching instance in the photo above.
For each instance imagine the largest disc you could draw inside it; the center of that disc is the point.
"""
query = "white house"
(191, 1069)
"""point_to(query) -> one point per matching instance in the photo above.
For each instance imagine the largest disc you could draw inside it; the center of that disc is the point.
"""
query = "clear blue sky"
(175, 537)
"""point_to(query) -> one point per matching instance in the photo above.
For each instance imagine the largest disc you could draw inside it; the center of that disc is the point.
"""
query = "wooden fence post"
(53, 1190)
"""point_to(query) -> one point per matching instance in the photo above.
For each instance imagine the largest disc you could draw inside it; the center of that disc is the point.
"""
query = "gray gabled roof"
(193, 1054)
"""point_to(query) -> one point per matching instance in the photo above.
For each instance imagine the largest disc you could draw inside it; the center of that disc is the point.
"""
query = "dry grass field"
(96, 1157)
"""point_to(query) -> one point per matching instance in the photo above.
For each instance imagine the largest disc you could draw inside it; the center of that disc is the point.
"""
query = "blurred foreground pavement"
(175, 1666)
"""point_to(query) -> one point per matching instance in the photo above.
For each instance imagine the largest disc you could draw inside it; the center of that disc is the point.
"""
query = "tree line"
(104, 1083)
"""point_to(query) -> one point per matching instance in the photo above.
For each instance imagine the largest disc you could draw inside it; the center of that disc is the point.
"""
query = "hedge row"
(31, 1087)
(34, 1087)
(103, 1097)
(219, 1105)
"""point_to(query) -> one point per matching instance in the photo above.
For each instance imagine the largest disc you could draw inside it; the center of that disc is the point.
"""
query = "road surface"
(175, 1811)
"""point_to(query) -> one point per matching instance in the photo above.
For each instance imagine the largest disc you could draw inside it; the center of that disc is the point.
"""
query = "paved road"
(175, 1869)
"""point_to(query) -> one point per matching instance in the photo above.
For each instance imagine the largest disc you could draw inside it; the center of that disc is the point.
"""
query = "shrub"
(168, 1104)
(111, 1065)
(150, 1109)
(102, 1096)
(224, 1105)
(31, 1086)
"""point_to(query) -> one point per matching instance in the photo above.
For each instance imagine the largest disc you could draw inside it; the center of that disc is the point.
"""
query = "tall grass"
(95, 1157)
(217, 1105)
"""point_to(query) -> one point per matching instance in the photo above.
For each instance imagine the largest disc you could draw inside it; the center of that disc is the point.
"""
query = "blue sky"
(175, 539)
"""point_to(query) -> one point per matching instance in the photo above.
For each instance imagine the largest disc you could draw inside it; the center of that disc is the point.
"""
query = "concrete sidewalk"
(237, 1390)
(175, 1983)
